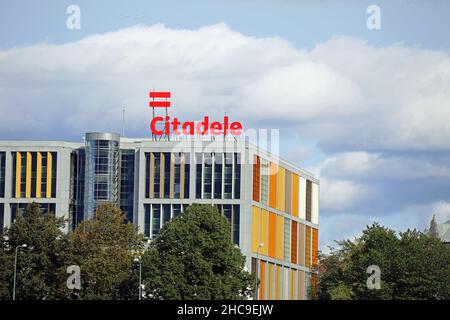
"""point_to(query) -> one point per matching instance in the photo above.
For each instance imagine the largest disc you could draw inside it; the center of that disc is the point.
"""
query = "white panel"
(315, 204)
(302, 198)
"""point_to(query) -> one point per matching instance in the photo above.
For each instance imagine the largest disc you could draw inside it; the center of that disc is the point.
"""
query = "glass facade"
(2, 174)
(2, 216)
(77, 169)
(217, 175)
(102, 172)
(127, 183)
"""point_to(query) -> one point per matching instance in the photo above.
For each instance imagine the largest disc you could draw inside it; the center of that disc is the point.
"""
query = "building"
(440, 230)
(272, 206)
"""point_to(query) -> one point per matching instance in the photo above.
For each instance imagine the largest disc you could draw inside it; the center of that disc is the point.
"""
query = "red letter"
(189, 124)
(175, 124)
(235, 128)
(216, 128)
(153, 126)
(205, 125)
(225, 125)
(167, 125)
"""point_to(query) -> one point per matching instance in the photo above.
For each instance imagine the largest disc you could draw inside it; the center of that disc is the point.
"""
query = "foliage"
(105, 248)
(39, 265)
(193, 257)
(413, 266)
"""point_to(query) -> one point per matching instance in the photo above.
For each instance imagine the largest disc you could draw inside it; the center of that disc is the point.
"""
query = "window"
(147, 221)
(156, 221)
(166, 213)
(218, 162)
(157, 175)
(187, 172)
(166, 175)
(228, 176)
(207, 187)
(198, 177)
(2, 176)
(176, 210)
(237, 175)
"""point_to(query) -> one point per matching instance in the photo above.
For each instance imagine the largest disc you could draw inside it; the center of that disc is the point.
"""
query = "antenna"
(123, 122)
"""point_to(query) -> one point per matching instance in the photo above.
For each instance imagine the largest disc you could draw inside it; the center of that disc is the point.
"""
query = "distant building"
(442, 230)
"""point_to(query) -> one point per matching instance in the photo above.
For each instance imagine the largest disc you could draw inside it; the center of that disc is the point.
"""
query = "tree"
(193, 257)
(413, 266)
(39, 265)
(105, 248)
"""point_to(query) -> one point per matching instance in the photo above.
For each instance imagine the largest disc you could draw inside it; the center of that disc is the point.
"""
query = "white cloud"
(339, 195)
(345, 94)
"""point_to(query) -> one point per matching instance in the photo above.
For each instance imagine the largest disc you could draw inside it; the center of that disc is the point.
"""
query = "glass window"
(218, 161)
(198, 178)
(156, 223)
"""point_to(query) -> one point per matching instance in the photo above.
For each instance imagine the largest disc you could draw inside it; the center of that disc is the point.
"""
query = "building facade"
(272, 205)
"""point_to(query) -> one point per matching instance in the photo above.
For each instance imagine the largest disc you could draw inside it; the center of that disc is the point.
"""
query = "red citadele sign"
(190, 127)
(168, 126)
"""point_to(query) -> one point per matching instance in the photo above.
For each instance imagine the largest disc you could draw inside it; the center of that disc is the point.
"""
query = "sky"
(367, 111)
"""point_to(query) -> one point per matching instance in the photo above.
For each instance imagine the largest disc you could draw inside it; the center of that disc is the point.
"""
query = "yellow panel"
(49, 175)
(28, 177)
(256, 226)
(278, 287)
(18, 173)
(295, 183)
(279, 237)
(293, 295)
(281, 185)
(264, 231)
(273, 185)
(38, 175)
(270, 284)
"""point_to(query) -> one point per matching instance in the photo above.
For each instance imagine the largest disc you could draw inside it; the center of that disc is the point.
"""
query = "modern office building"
(272, 206)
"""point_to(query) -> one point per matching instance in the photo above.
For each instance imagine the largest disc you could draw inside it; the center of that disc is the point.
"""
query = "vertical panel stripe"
(294, 242)
(264, 231)
(38, 175)
(308, 247)
(49, 175)
(273, 185)
(18, 173)
(262, 279)
(295, 200)
(28, 176)
(278, 286)
(279, 237)
(256, 226)
(272, 231)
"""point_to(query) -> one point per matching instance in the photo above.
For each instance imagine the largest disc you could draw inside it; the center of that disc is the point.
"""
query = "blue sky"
(364, 109)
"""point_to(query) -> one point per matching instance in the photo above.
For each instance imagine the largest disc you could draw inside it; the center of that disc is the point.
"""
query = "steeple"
(433, 231)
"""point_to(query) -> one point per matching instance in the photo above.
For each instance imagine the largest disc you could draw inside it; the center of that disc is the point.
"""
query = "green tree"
(105, 248)
(413, 266)
(39, 266)
(193, 257)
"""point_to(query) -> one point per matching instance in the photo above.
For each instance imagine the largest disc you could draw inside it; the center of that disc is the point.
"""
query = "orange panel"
(256, 178)
(262, 279)
(294, 242)
(295, 186)
(308, 247)
(315, 246)
(272, 243)
(273, 185)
